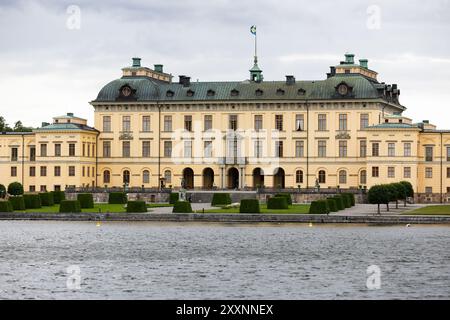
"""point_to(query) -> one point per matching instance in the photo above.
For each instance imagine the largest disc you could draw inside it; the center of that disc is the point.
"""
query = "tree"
(377, 195)
(3, 125)
(2, 191)
(18, 127)
(401, 192)
(15, 189)
(409, 189)
(391, 191)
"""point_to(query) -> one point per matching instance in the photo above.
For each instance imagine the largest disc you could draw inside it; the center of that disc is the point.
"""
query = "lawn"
(98, 207)
(430, 210)
(295, 208)
(158, 205)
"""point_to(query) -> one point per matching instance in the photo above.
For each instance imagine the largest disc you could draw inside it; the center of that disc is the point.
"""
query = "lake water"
(140, 260)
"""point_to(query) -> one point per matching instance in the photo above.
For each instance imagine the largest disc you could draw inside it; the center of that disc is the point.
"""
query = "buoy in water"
(98, 224)
(408, 225)
(310, 224)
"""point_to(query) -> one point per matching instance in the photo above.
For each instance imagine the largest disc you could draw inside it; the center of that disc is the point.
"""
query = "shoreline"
(230, 218)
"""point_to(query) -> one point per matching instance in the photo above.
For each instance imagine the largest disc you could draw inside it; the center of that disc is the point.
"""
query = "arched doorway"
(188, 176)
(208, 178)
(258, 178)
(233, 178)
(278, 178)
(126, 177)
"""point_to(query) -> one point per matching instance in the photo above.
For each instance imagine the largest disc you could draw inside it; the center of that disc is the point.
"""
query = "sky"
(55, 56)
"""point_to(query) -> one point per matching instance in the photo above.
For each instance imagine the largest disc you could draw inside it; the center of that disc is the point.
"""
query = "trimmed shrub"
(182, 207)
(249, 206)
(2, 191)
(58, 196)
(173, 197)
(46, 199)
(70, 206)
(17, 203)
(277, 203)
(221, 199)
(319, 207)
(136, 206)
(339, 202)
(117, 198)
(6, 206)
(288, 197)
(409, 188)
(351, 198)
(332, 205)
(346, 200)
(32, 201)
(86, 200)
(378, 194)
(15, 189)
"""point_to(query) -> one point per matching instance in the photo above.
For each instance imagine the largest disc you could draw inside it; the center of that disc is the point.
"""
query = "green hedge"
(32, 201)
(15, 189)
(346, 200)
(46, 198)
(70, 206)
(17, 203)
(117, 198)
(221, 199)
(86, 200)
(6, 206)
(136, 206)
(332, 205)
(287, 196)
(319, 207)
(249, 206)
(277, 203)
(174, 197)
(2, 191)
(182, 207)
(339, 202)
(58, 196)
(351, 196)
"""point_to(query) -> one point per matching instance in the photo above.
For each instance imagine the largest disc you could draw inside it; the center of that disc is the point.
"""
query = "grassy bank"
(294, 209)
(430, 210)
(98, 207)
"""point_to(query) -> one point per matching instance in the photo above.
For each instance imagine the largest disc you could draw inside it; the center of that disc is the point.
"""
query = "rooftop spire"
(255, 71)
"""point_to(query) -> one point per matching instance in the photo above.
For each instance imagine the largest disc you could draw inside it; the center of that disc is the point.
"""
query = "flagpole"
(256, 59)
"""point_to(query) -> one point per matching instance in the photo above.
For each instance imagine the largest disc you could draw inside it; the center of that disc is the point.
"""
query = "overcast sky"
(49, 66)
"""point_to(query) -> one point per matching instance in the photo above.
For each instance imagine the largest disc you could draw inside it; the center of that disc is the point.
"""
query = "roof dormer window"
(211, 93)
(190, 93)
(234, 93)
(301, 92)
(259, 92)
(169, 93)
(280, 92)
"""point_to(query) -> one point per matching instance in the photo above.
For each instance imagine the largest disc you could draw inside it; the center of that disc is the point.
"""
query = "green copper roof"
(393, 126)
(66, 126)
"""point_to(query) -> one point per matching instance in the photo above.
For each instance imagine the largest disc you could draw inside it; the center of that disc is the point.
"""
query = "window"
(363, 177)
(448, 172)
(71, 171)
(279, 122)
(391, 172)
(126, 177)
(14, 154)
(406, 172)
(342, 177)
(342, 148)
(375, 172)
(106, 149)
(146, 176)
(322, 176)
(43, 171)
(428, 189)
(322, 122)
(83, 170)
(322, 148)
(57, 150)
(258, 148)
(13, 171)
(428, 172)
(93, 150)
(188, 123)
(107, 123)
(299, 122)
(448, 153)
(343, 122)
(57, 187)
(407, 149)
(57, 171)
(146, 149)
(363, 121)
(391, 149)
(188, 149)
(299, 176)
(88, 150)
(375, 149)
(84, 149)
(146, 123)
(279, 149)
(106, 176)
(167, 123)
(168, 149)
(258, 122)
(71, 149)
(207, 149)
(125, 149)
(362, 148)
(43, 150)
(33, 153)
(428, 153)
(168, 176)
(32, 171)
(126, 123)
(32, 188)
(207, 122)
(43, 188)
(299, 148)
(233, 122)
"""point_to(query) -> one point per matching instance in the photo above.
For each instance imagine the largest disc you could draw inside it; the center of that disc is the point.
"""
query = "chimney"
(290, 80)
(44, 124)
(426, 121)
(185, 81)
(69, 114)
(332, 72)
(159, 68)
(364, 63)
(136, 63)
(349, 58)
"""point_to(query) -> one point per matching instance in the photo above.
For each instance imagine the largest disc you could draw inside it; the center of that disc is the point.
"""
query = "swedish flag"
(253, 30)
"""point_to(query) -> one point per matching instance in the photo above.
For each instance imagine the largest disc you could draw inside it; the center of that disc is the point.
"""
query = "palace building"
(345, 130)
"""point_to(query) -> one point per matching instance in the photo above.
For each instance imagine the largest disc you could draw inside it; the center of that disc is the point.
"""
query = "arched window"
(126, 176)
(322, 176)
(106, 176)
(342, 177)
(168, 176)
(299, 176)
(363, 177)
(146, 176)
